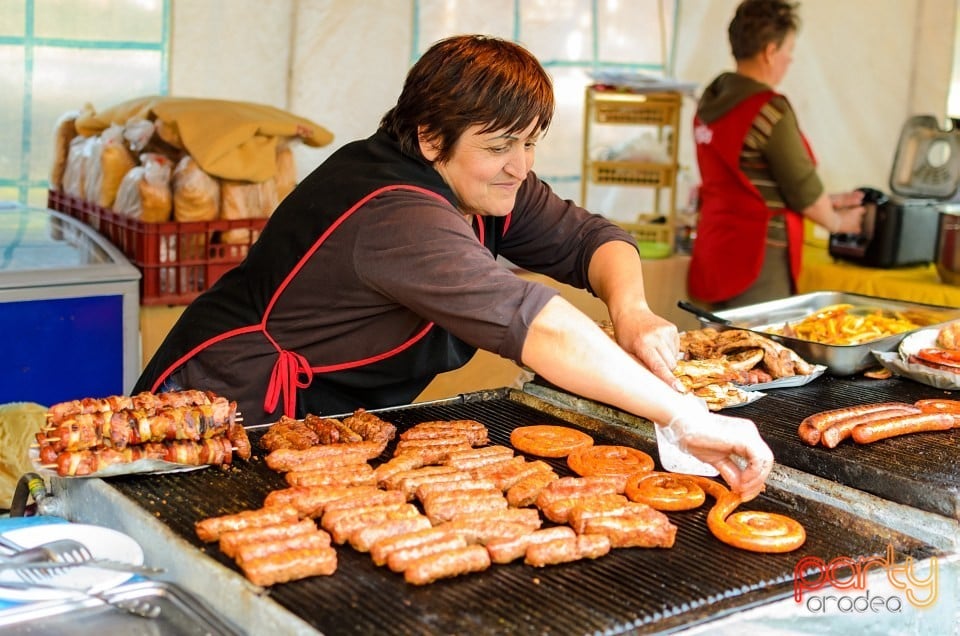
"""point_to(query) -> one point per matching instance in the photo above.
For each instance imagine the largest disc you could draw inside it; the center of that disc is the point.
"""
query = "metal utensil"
(39, 571)
(61, 551)
(703, 313)
(137, 607)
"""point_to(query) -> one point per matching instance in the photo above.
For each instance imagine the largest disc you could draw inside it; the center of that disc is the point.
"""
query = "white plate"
(921, 373)
(787, 382)
(923, 339)
(104, 543)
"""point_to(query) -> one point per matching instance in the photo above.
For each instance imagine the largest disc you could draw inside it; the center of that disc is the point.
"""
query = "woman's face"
(781, 58)
(485, 170)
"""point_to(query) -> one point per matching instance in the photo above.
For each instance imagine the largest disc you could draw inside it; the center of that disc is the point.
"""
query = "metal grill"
(629, 590)
(917, 470)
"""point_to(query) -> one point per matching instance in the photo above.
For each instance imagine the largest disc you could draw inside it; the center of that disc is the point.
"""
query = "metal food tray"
(181, 614)
(839, 359)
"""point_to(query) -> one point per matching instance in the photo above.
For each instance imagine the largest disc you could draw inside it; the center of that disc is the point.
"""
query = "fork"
(62, 550)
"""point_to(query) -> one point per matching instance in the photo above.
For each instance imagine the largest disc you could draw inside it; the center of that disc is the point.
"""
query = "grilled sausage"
(363, 539)
(938, 405)
(841, 430)
(507, 550)
(472, 558)
(902, 425)
(400, 560)
(212, 528)
(290, 566)
(260, 549)
(813, 426)
(440, 510)
(350, 475)
(382, 549)
(563, 550)
(311, 500)
(230, 542)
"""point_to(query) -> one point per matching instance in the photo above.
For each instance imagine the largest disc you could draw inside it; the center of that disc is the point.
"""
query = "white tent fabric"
(861, 67)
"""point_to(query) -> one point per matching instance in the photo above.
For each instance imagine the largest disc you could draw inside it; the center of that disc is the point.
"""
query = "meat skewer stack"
(84, 437)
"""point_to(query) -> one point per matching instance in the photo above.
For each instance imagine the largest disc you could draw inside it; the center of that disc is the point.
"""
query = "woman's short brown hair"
(758, 23)
(468, 80)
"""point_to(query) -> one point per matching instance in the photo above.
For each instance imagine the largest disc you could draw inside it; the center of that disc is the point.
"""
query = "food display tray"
(839, 359)
(180, 614)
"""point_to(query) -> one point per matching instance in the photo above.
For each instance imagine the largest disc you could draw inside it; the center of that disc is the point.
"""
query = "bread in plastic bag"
(196, 195)
(109, 160)
(246, 200)
(286, 171)
(145, 192)
(74, 172)
(65, 131)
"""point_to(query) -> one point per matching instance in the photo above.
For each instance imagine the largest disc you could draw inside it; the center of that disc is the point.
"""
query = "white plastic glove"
(721, 441)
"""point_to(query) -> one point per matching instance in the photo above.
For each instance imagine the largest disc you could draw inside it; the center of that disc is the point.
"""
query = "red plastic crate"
(177, 260)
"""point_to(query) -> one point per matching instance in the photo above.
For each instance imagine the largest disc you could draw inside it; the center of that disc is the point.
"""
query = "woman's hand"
(720, 440)
(849, 210)
(651, 339)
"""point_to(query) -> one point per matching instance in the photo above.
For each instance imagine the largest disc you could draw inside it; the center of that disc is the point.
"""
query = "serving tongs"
(136, 607)
(703, 313)
(41, 571)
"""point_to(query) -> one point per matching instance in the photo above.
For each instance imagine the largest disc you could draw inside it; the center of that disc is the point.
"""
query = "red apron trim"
(323, 237)
(200, 347)
(377, 358)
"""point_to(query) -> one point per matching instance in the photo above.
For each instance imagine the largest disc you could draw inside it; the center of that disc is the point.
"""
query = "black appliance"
(901, 229)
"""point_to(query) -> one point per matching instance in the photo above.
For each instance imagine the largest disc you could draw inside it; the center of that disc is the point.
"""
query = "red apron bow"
(290, 372)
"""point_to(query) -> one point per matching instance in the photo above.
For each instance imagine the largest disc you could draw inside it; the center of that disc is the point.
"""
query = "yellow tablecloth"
(913, 284)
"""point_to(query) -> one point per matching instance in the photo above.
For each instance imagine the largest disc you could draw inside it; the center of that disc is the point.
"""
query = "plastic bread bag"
(196, 195)
(246, 200)
(107, 164)
(65, 131)
(138, 132)
(74, 172)
(145, 192)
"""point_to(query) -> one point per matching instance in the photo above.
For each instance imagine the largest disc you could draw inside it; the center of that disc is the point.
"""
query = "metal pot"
(948, 245)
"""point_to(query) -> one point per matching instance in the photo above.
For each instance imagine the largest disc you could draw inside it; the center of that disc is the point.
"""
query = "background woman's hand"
(651, 339)
(849, 210)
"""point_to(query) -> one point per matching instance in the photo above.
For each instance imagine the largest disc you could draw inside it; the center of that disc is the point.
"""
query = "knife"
(103, 564)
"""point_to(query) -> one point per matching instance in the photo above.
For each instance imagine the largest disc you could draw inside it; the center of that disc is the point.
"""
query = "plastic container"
(177, 260)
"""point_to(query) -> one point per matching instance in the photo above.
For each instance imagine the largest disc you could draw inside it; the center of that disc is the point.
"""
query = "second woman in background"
(758, 173)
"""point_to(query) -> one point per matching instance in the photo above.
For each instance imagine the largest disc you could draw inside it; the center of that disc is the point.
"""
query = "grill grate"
(636, 590)
(916, 470)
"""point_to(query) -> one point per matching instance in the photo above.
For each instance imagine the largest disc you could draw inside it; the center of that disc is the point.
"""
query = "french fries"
(842, 324)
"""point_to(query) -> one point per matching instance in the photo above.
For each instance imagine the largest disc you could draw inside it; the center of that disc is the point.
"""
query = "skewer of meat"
(119, 429)
(214, 451)
(145, 401)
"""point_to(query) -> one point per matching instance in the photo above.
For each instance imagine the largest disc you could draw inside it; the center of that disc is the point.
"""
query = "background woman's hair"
(758, 23)
(468, 80)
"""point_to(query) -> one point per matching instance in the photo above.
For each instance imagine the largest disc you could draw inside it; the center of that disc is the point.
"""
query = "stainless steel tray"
(181, 614)
(839, 359)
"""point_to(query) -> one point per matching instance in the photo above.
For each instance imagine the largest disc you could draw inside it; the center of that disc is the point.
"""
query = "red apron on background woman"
(729, 249)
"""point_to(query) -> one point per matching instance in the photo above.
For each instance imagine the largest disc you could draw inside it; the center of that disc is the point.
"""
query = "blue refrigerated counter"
(69, 310)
